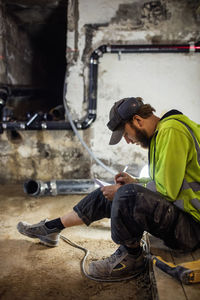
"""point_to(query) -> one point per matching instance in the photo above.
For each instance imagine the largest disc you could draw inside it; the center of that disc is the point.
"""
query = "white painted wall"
(166, 81)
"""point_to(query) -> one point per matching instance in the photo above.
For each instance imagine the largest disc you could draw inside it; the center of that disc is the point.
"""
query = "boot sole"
(121, 278)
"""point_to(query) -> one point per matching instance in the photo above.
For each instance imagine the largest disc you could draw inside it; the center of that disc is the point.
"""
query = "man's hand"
(124, 178)
(110, 190)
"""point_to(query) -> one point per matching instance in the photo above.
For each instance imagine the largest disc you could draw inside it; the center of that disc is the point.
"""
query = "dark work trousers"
(135, 209)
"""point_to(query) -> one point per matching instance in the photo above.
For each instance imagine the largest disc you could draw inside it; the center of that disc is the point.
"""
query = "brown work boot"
(120, 265)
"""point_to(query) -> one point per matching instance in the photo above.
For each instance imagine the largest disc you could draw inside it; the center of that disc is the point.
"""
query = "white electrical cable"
(83, 261)
(82, 141)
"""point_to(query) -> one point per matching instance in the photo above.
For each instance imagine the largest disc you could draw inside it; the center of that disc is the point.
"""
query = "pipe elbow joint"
(88, 120)
(98, 53)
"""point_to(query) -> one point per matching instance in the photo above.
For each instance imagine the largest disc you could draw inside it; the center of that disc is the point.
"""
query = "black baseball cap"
(121, 112)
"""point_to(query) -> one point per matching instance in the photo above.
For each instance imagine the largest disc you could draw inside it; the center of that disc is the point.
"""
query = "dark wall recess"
(35, 47)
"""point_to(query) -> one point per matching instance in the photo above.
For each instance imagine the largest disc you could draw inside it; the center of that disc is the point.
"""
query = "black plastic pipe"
(184, 48)
(37, 124)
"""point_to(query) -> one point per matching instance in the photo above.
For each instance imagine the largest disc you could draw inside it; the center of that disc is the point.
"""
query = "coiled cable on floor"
(83, 261)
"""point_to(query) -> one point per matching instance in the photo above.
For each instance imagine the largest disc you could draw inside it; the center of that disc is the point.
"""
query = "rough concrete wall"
(59, 155)
(2, 46)
(15, 50)
(37, 155)
(95, 23)
(41, 155)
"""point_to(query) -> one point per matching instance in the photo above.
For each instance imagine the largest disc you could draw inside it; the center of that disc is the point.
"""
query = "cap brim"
(116, 136)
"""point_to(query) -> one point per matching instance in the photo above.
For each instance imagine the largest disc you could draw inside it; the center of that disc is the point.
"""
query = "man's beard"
(141, 137)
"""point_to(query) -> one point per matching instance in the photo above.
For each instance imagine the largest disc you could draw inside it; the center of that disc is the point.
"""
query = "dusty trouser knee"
(93, 207)
(124, 229)
(136, 209)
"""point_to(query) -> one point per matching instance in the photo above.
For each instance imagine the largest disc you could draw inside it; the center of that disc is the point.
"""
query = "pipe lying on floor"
(59, 187)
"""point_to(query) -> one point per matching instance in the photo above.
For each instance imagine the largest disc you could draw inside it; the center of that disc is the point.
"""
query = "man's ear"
(138, 121)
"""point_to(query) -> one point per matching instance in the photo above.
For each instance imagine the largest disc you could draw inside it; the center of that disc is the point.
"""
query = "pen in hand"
(125, 168)
(117, 181)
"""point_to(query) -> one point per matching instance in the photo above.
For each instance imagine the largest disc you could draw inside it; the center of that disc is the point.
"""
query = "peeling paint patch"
(139, 14)
(129, 13)
(89, 34)
(154, 12)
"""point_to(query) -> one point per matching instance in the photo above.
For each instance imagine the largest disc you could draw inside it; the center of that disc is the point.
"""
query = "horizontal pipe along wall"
(36, 122)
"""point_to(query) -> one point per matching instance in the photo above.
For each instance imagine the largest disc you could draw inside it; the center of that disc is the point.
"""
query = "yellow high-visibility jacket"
(174, 158)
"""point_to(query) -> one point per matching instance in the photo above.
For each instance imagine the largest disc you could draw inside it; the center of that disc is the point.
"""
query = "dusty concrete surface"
(30, 270)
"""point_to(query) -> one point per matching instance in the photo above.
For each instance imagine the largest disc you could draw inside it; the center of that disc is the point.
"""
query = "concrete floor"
(30, 270)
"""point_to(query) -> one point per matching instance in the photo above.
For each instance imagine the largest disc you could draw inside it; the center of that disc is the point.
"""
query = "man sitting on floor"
(168, 207)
